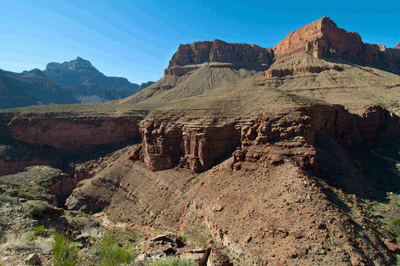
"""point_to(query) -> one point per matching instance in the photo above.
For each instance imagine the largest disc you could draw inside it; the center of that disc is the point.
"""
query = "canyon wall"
(194, 146)
(319, 38)
(197, 146)
(238, 54)
(352, 130)
(74, 134)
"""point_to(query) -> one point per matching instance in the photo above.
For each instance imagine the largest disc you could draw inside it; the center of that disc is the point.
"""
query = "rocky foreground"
(283, 155)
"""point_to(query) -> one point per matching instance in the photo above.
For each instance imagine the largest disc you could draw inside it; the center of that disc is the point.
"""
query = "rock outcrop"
(352, 130)
(191, 145)
(74, 134)
(197, 145)
(319, 38)
(237, 54)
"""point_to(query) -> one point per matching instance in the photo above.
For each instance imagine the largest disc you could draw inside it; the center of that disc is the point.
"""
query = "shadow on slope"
(355, 172)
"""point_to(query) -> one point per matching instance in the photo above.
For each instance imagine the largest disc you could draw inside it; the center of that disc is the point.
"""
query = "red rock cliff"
(324, 37)
(319, 38)
(217, 51)
(73, 134)
(197, 145)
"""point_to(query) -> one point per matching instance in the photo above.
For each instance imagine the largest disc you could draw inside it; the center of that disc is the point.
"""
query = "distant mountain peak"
(77, 65)
(34, 73)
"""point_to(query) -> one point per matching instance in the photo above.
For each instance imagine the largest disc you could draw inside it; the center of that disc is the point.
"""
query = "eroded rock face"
(74, 134)
(292, 71)
(319, 38)
(239, 54)
(194, 146)
(273, 138)
(354, 130)
(9, 167)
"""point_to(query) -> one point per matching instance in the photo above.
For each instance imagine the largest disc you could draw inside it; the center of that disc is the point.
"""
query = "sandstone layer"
(321, 38)
(74, 134)
(217, 51)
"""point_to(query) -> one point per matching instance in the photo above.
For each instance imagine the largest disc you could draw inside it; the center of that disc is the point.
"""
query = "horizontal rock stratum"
(319, 38)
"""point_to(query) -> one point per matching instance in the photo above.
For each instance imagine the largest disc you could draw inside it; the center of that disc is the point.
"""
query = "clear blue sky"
(136, 39)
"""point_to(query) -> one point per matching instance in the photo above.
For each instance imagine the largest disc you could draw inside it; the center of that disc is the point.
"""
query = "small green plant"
(174, 261)
(394, 222)
(112, 253)
(64, 254)
(185, 196)
(39, 230)
(176, 168)
(184, 239)
(36, 209)
(32, 235)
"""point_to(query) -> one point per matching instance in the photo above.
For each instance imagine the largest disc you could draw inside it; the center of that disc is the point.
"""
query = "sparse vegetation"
(174, 261)
(32, 235)
(112, 253)
(5, 198)
(36, 209)
(1, 235)
(184, 239)
(65, 254)
(39, 230)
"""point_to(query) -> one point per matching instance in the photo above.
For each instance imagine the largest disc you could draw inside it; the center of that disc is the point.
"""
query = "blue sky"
(136, 39)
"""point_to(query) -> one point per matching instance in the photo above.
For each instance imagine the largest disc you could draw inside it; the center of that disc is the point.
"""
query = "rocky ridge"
(321, 38)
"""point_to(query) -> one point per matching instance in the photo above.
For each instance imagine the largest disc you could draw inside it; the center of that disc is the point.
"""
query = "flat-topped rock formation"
(217, 51)
(320, 38)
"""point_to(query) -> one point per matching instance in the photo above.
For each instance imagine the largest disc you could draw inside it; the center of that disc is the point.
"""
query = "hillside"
(287, 155)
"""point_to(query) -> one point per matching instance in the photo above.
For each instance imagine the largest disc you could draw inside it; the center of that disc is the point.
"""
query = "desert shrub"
(174, 261)
(64, 254)
(1, 235)
(36, 209)
(39, 230)
(5, 198)
(112, 254)
(31, 235)
(184, 239)
(394, 226)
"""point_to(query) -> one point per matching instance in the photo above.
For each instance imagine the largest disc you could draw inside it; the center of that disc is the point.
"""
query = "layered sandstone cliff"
(319, 38)
(236, 54)
(74, 134)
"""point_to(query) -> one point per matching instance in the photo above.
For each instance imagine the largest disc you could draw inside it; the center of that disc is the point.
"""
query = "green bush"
(31, 235)
(184, 239)
(39, 230)
(394, 222)
(174, 261)
(36, 209)
(64, 254)
(112, 253)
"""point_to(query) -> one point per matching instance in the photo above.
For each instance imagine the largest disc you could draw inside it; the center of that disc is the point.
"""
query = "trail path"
(384, 157)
